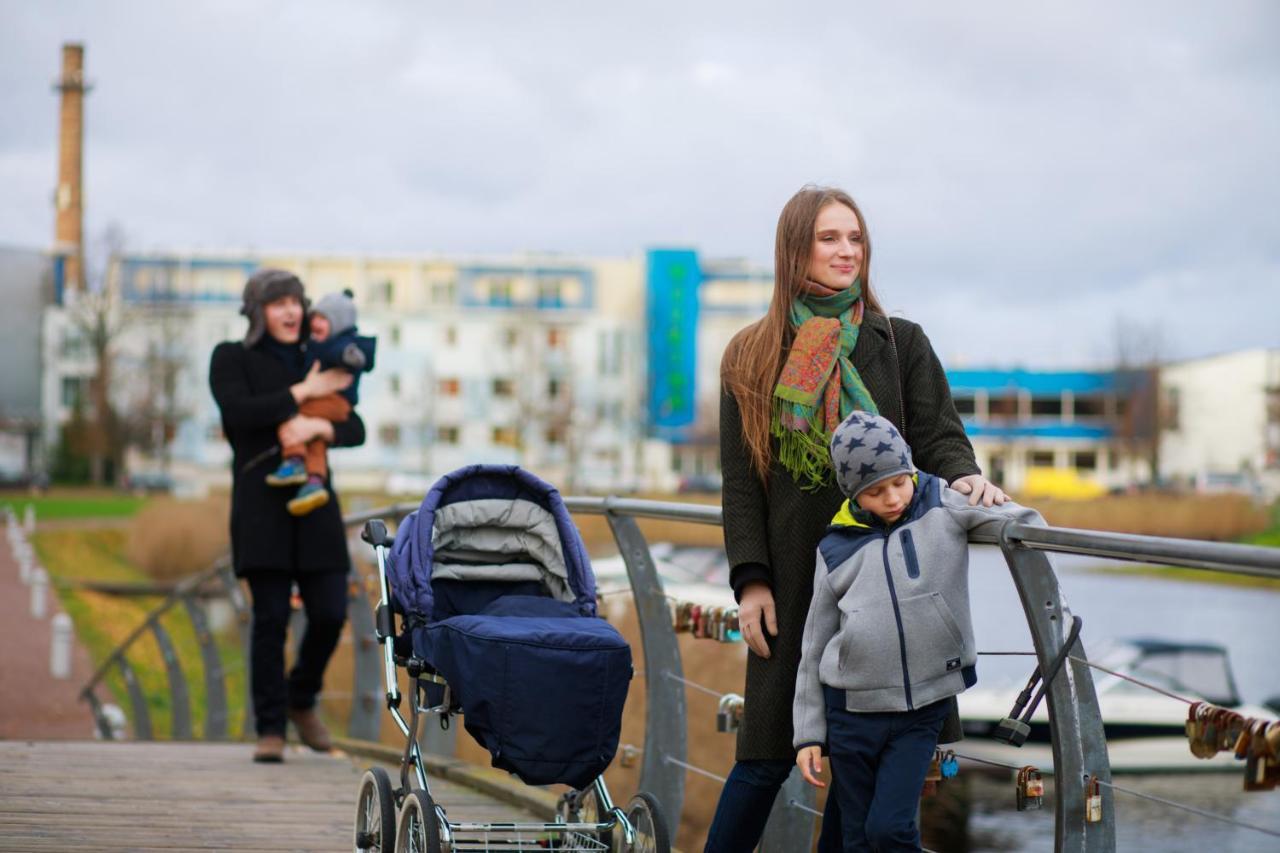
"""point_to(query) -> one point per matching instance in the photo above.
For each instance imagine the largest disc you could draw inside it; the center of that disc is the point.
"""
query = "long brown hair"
(754, 358)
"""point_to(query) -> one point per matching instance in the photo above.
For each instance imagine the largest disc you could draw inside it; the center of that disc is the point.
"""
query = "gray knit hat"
(339, 308)
(866, 449)
(263, 287)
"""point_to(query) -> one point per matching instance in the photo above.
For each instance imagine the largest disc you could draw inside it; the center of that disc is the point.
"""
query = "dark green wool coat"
(771, 532)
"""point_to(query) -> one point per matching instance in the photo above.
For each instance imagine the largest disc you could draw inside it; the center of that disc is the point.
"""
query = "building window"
(556, 338)
(510, 337)
(443, 293)
(966, 406)
(394, 381)
(449, 387)
(1040, 459)
(555, 435)
(1003, 406)
(1171, 418)
(500, 291)
(504, 436)
(450, 335)
(504, 387)
(447, 434)
(1092, 406)
(74, 390)
(73, 345)
(1046, 407)
(389, 435)
(394, 334)
(549, 293)
(383, 292)
(554, 387)
(1085, 460)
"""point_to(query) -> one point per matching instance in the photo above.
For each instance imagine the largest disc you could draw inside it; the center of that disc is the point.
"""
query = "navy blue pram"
(498, 608)
(495, 589)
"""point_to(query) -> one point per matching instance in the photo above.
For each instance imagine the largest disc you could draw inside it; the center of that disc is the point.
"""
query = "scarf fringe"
(803, 452)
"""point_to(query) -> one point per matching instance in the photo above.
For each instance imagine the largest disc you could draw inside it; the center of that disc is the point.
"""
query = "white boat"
(1196, 671)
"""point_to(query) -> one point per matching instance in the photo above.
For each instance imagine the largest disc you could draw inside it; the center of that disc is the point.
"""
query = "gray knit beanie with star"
(339, 308)
(866, 449)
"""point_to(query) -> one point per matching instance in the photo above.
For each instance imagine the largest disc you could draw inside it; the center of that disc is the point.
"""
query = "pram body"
(497, 607)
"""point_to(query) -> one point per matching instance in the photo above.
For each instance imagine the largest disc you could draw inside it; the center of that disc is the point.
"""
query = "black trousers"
(324, 599)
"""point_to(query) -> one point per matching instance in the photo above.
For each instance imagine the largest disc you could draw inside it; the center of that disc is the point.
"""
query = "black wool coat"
(251, 387)
(771, 532)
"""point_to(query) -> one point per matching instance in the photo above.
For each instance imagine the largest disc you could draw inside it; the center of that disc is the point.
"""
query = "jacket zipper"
(909, 552)
(897, 616)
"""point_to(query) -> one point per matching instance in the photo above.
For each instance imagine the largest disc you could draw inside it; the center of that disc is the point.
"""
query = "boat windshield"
(1201, 670)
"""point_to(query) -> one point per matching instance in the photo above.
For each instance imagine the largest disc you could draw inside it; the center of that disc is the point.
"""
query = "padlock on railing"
(729, 714)
(1092, 800)
(950, 764)
(933, 775)
(1030, 789)
(1260, 769)
(732, 625)
(627, 755)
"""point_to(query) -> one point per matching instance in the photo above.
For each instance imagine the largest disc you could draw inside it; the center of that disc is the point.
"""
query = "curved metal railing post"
(180, 703)
(666, 727)
(366, 686)
(1075, 722)
(215, 687)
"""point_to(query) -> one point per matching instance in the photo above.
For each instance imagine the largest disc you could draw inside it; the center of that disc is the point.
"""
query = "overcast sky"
(1031, 176)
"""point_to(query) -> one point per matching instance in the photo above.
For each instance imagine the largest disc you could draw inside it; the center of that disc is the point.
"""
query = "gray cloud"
(1029, 173)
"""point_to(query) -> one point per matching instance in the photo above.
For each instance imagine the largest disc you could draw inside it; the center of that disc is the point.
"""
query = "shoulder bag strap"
(897, 372)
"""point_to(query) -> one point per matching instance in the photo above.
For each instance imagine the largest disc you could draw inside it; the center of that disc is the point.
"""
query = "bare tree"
(1140, 418)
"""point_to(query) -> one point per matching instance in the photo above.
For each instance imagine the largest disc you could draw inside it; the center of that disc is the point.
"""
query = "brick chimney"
(67, 198)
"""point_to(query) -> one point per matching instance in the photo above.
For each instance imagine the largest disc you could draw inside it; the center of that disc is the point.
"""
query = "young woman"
(259, 383)
(824, 349)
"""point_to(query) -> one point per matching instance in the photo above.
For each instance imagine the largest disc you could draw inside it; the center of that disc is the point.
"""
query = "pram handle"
(375, 533)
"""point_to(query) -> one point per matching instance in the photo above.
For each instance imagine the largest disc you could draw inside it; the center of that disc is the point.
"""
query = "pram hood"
(489, 522)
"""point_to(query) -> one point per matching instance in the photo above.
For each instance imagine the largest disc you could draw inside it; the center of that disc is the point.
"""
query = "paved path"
(189, 796)
(34, 704)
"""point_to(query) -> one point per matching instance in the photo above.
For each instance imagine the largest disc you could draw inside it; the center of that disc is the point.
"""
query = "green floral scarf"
(819, 386)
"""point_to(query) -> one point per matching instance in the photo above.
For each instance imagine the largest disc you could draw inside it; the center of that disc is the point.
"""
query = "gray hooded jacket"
(889, 622)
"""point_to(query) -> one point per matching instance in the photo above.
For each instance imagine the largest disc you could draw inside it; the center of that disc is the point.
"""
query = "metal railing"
(1076, 727)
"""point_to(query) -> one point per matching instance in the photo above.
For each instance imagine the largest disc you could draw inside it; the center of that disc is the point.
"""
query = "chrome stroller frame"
(408, 819)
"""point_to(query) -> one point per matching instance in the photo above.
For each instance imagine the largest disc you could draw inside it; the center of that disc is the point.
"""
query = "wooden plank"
(189, 796)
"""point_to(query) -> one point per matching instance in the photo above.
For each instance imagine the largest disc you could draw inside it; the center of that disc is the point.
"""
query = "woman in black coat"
(258, 384)
(779, 495)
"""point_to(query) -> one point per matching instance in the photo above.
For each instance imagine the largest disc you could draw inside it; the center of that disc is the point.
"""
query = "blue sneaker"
(290, 473)
(310, 497)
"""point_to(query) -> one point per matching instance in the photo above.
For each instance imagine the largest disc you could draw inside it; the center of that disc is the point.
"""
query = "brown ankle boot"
(270, 749)
(310, 729)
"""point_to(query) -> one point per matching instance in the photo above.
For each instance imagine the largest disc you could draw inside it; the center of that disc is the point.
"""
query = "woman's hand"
(300, 429)
(809, 760)
(980, 489)
(756, 614)
(319, 382)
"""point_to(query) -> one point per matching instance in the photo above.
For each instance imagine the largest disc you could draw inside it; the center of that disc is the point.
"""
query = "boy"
(888, 640)
(333, 343)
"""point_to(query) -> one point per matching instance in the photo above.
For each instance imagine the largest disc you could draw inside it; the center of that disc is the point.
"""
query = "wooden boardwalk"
(88, 795)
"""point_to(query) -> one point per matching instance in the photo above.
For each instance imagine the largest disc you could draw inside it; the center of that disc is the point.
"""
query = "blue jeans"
(879, 761)
(744, 807)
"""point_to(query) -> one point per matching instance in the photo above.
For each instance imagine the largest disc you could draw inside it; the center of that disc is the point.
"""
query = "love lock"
(1092, 800)
(729, 714)
(627, 755)
(1029, 794)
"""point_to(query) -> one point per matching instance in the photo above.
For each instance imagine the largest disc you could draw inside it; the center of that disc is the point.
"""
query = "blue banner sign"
(673, 279)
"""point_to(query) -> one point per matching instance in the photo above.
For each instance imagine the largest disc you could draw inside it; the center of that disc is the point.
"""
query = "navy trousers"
(744, 806)
(879, 761)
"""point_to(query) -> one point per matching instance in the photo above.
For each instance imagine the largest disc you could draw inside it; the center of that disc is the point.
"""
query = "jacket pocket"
(909, 552)
(869, 658)
(935, 645)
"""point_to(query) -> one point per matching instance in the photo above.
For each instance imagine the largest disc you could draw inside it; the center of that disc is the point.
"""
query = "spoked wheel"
(375, 813)
(644, 813)
(582, 807)
(417, 830)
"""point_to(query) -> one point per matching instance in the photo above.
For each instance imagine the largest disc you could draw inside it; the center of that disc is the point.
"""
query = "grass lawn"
(87, 504)
(103, 621)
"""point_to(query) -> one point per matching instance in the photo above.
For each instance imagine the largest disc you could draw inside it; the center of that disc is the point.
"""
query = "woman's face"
(836, 259)
(283, 317)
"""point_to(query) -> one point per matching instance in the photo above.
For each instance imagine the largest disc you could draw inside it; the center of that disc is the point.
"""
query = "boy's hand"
(756, 614)
(809, 760)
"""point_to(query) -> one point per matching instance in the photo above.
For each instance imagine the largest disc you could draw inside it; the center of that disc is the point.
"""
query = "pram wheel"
(417, 830)
(375, 813)
(644, 813)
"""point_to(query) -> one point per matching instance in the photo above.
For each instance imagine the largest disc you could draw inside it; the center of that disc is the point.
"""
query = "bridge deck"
(86, 795)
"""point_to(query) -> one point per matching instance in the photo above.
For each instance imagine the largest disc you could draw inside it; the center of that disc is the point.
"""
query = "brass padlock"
(1199, 744)
(1271, 769)
(729, 714)
(1243, 739)
(627, 755)
(1092, 800)
(683, 611)
(1030, 789)
(1256, 777)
